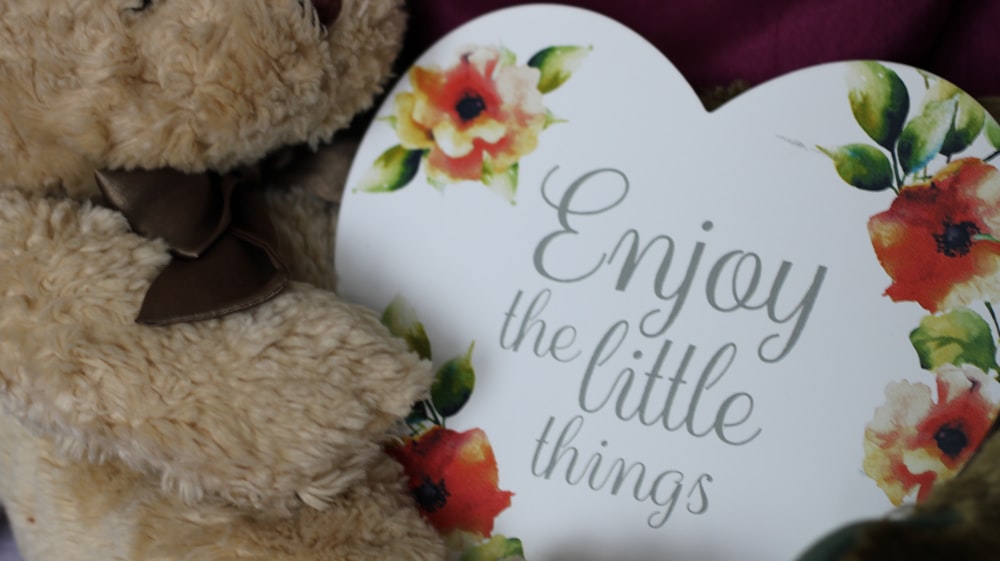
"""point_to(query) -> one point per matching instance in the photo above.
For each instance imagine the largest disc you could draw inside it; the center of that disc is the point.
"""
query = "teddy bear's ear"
(286, 404)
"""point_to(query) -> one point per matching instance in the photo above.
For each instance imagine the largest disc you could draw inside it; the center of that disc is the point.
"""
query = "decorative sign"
(664, 333)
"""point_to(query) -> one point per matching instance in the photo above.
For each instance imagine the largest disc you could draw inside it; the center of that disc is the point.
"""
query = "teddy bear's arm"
(283, 404)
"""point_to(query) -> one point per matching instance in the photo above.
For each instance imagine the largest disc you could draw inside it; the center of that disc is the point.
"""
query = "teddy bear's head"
(189, 84)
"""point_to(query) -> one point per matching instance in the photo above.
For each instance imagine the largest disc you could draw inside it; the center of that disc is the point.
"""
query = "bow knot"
(219, 232)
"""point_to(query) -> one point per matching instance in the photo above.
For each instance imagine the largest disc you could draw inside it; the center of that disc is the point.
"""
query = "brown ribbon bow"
(219, 232)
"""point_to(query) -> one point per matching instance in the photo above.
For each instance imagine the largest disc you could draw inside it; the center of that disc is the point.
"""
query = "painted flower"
(453, 476)
(938, 240)
(479, 116)
(914, 442)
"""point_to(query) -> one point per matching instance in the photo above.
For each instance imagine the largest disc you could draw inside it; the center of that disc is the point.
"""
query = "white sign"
(665, 333)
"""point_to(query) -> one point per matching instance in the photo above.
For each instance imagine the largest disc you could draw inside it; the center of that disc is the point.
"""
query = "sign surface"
(665, 333)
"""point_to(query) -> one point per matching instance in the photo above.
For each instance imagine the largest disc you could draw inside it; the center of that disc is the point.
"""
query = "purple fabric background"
(714, 42)
(8, 551)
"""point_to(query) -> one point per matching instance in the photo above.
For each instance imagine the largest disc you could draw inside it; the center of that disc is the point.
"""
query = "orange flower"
(453, 477)
(479, 114)
(937, 241)
(913, 442)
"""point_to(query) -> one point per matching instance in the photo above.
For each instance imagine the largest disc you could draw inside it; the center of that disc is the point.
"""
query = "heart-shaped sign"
(664, 333)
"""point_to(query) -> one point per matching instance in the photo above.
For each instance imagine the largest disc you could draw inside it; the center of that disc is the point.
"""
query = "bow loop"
(189, 212)
(220, 233)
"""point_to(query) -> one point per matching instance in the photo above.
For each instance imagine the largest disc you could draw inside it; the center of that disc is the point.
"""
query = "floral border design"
(939, 242)
(453, 476)
(472, 121)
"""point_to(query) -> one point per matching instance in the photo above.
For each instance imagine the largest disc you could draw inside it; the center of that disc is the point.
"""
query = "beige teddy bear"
(254, 435)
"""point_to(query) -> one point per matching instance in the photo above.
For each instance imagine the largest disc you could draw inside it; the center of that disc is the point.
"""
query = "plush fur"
(254, 436)
(957, 522)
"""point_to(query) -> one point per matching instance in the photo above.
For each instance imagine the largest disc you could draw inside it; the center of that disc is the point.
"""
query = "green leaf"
(436, 183)
(556, 65)
(401, 319)
(503, 184)
(507, 57)
(924, 135)
(551, 119)
(927, 77)
(863, 166)
(418, 414)
(453, 384)
(392, 171)
(879, 101)
(969, 118)
(391, 120)
(498, 548)
(992, 131)
(958, 337)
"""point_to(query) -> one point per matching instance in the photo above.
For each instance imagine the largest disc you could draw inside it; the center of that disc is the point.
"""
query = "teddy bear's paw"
(63, 509)
(373, 521)
(391, 528)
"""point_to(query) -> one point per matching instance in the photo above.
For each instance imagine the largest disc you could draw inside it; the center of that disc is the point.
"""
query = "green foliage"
(993, 131)
(453, 384)
(863, 166)
(498, 548)
(401, 319)
(392, 170)
(503, 184)
(556, 65)
(969, 118)
(948, 122)
(957, 337)
(879, 101)
(924, 135)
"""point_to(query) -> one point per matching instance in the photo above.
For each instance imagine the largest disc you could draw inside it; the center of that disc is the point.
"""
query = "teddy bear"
(958, 521)
(178, 379)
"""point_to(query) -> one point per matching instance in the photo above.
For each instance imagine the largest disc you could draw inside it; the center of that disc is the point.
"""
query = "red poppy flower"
(937, 240)
(480, 113)
(914, 442)
(453, 477)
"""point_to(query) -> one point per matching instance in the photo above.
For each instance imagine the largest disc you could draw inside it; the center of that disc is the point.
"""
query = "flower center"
(956, 239)
(470, 106)
(951, 440)
(431, 496)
